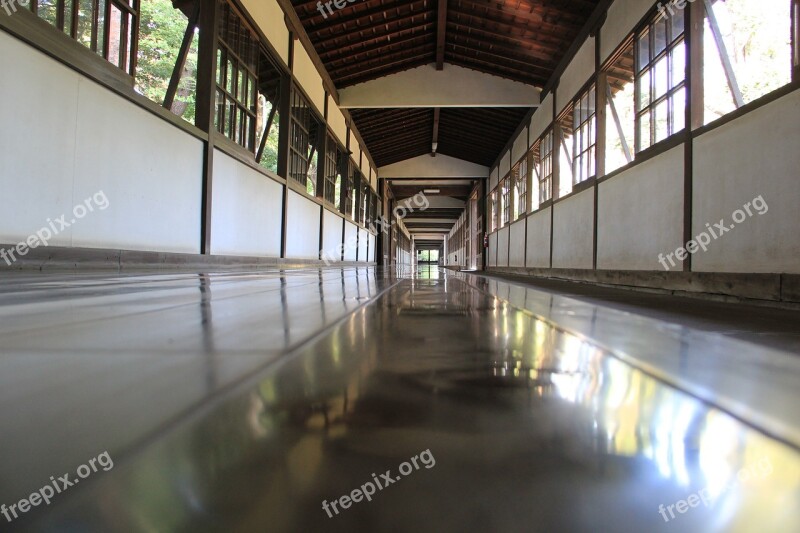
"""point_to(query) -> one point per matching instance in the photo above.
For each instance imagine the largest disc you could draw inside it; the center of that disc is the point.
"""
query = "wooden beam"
(436, 114)
(441, 31)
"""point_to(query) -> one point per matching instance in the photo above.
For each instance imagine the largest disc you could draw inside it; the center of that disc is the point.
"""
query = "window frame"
(673, 41)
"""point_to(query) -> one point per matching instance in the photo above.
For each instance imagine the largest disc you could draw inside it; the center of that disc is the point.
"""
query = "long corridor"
(356, 399)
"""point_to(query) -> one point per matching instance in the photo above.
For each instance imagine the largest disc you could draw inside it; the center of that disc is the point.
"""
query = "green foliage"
(162, 28)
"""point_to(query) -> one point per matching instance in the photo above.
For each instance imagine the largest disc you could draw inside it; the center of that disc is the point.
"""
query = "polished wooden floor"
(272, 401)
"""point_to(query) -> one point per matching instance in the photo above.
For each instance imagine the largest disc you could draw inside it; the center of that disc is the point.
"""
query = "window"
(660, 80)
(520, 174)
(333, 172)
(620, 123)
(747, 49)
(584, 138)
(363, 199)
(159, 47)
(350, 190)
(107, 27)
(237, 82)
(546, 167)
(505, 200)
(493, 211)
(303, 142)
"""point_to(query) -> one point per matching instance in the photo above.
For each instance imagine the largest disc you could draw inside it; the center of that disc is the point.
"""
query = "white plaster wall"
(363, 239)
(542, 119)
(309, 77)
(505, 164)
(49, 166)
(517, 249)
(364, 162)
(332, 234)
(302, 232)
(640, 214)
(492, 260)
(520, 147)
(373, 252)
(502, 247)
(573, 232)
(337, 122)
(754, 155)
(246, 210)
(580, 69)
(350, 236)
(623, 15)
(269, 16)
(493, 179)
(354, 146)
(538, 240)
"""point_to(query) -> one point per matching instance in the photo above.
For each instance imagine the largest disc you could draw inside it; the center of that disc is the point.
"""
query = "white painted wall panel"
(520, 147)
(505, 164)
(364, 162)
(74, 157)
(623, 15)
(517, 247)
(308, 76)
(640, 214)
(350, 241)
(573, 232)
(577, 74)
(373, 252)
(269, 16)
(542, 119)
(336, 121)
(332, 234)
(493, 179)
(492, 259)
(246, 210)
(363, 239)
(754, 155)
(538, 241)
(302, 234)
(502, 247)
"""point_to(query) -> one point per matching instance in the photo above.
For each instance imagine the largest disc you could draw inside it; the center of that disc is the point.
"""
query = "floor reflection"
(532, 428)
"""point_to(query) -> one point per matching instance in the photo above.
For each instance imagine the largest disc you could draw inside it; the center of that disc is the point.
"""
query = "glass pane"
(115, 36)
(231, 77)
(677, 22)
(661, 121)
(678, 110)
(68, 17)
(678, 60)
(47, 11)
(662, 77)
(660, 36)
(644, 89)
(101, 26)
(643, 50)
(644, 128)
(85, 19)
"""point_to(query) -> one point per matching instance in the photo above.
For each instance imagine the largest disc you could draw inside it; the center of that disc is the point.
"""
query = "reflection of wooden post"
(206, 107)
(733, 84)
(796, 40)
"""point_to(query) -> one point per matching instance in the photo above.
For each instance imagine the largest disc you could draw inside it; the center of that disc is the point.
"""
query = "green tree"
(162, 28)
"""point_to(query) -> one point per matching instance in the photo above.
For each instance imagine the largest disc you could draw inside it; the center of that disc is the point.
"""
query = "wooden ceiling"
(469, 133)
(520, 40)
